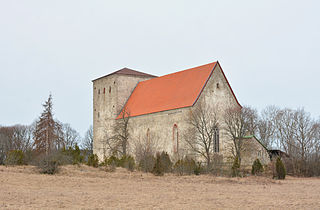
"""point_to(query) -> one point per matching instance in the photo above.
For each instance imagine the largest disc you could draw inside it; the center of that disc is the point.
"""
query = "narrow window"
(98, 91)
(175, 136)
(218, 86)
(109, 89)
(104, 90)
(148, 136)
(98, 114)
(216, 140)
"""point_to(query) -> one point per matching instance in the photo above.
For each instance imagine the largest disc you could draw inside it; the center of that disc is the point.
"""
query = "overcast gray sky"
(269, 50)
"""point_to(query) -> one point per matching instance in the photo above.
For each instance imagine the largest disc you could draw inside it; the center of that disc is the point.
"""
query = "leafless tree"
(48, 132)
(70, 136)
(236, 123)
(251, 118)
(118, 142)
(266, 129)
(202, 135)
(18, 137)
(88, 140)
(298, 136)
(145, 148)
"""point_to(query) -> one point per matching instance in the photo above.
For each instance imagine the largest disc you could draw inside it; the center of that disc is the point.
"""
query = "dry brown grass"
(83, 187)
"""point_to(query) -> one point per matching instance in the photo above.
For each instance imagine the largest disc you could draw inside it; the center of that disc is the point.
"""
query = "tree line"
(44, 136)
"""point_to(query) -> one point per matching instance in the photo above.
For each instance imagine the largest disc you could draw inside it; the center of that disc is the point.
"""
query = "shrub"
(235, 167)
(280, 169)
(257, 167)
(186, 166)
(49, 164)
(14, 157)
(158, 168)
(166, 162)
(127, 162)
(147, 163)
(93, 160)
(74, 154)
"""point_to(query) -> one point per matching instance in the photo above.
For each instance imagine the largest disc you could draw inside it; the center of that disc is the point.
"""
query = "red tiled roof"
(127, 71)
(172, 91)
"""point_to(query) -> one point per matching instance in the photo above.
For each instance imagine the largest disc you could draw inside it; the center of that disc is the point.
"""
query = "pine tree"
(47, 134)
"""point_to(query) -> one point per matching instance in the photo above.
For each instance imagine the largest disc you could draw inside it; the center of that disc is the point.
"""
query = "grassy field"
(83, 187)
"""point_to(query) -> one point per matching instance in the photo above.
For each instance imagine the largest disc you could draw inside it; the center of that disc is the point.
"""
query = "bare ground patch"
(83, 187)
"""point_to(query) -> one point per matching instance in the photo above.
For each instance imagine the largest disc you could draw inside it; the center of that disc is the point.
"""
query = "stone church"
(160, 106)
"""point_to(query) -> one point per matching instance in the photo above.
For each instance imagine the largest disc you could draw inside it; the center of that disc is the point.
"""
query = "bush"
(158, 168)
(235, 167)
(14, 157)
(93, 160)
(74, 154)
(146, 164)
(280, 169)
(127, 162)
(49, 164)
(166, 162)
(187, 166)
(257, 167)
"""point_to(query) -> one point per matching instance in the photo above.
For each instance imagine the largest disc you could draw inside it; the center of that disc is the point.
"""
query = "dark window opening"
(114, 82)
(110, 89)
(99, 91)
(104, 90)
(175, 138)
(216, 140)
(218, 85)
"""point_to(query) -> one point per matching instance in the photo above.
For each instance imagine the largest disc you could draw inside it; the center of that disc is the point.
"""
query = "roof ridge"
(125, 71)
(182, 71)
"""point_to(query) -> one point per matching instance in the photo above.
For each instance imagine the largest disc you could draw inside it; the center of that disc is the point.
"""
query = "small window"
(175, 136)
(114, 82)
(148, 136)
(218, 86)
(98, 114)
(216, 140)
(104, 90)
(98, 91)
(109, 89)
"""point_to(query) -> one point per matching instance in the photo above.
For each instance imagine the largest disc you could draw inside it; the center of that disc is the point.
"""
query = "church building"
(160, 107)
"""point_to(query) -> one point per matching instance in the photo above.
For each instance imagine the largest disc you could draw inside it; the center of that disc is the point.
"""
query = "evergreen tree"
(47, 134)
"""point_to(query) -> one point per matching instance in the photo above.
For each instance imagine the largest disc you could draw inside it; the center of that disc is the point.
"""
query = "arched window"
(175, 138)
(216, 140)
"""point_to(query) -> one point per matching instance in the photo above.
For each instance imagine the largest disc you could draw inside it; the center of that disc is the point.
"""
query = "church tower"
(110, 93)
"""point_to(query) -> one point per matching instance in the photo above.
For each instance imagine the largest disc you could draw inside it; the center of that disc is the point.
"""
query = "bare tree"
(145, 148)
(266, 129)
(47, 134)
(251, 118)
(70, 136)
(202, 135)
(236, 123)
(18, 137)
(88, 140)
(118, 142)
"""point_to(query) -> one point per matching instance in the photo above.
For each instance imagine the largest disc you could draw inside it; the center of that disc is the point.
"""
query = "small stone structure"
(159, 107)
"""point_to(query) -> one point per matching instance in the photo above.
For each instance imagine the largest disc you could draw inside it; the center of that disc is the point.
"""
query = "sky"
(269, 50)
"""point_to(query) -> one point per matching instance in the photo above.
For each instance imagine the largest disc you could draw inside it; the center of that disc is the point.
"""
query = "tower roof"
(127, 71)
